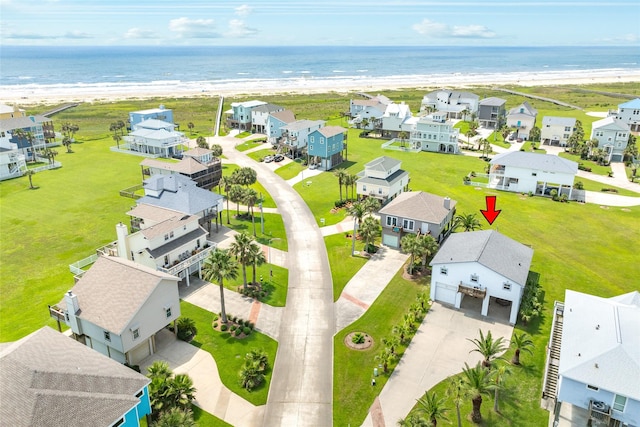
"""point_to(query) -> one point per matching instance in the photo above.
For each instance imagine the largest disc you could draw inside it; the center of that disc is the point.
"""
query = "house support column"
(459, 297)
(186, 271)
(175, 327)
(485, 305)
(513, 316)
(150, 342)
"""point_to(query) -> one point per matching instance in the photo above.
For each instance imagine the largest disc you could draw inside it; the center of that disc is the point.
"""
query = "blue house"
(160, 113)
(325, 147)
(239, 117)
(50, 379)
(275, 122)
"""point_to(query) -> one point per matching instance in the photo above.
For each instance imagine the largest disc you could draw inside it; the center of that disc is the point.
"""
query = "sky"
(320, 22)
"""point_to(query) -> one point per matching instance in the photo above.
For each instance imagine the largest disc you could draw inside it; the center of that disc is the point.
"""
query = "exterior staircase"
(549, 389)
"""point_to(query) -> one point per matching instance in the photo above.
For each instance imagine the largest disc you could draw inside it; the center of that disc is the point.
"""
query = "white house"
(481, 264)
(523, 119)
(612, 135)
(382, 179)
(435, 133)
(456, 104)
(9, 111)
(239, 117)
(524, 172)
(416, 212)
(599, 360)
(155, 137)
(629, 113)
(275, 122)
(197, 164)
(557, 130)
(12, 161)
(118, 306)
(295, 136)
(161, 113)
(371, 109)
(394, 118)
(260, 114)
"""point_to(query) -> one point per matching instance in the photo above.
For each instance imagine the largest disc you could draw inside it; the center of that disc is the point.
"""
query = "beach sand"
(54, 94)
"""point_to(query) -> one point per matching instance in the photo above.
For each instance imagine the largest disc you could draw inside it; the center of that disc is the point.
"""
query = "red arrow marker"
(491, 213)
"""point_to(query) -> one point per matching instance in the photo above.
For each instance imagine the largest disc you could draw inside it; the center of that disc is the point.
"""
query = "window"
(407, 224)
(592, 387)
(166, 237)
(567, 128)
(379, 190)
(311, 139)
(619, 402)
(136, 333)
(392, 221)
(167, 311)
(140, 393)
(171, 234)
(534, 174)
(443, 270)
(474, 278)
(311, 147)
(506, 286)
(107, 336)
(321, 140)
(364, 187)
(119, 422)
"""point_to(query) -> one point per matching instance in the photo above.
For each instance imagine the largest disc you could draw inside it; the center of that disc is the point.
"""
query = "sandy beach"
(32, 94)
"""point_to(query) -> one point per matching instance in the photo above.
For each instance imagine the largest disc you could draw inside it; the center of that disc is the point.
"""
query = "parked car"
(313, 166)
(268, 159)
(289, 155)
(278, 158)
(512, 137)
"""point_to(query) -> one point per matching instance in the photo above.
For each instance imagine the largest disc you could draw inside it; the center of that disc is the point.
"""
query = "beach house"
(394, 120)
(275, 122)
(9, 111)
(522, 118)
(260, 115)
(593, 359)
(524, 172)
(295, 135)
(49, 379)
(367, 113)
(155, 138)
(161, 113)
(456, 104)
(416, 212)
(239, 117)
(30, 134)
(612, 135)
(492, 112)
(435, 133)
(118, 306)
(326, 146)
(383, 179)
(197, 164)
(484, 265)
(12, 160)
(557, 130)
(629, 113)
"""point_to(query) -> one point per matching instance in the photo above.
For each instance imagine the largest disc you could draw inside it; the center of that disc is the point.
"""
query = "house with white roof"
(39, 128)
(383, 179)
(435, 133)
(326, 146)
(522, 118)
(275, 122)
(394, 118)
(48, 379)
(295, 136)
(161, 113)
(481, 264)
(9, 111)
(492, 112)
(155, 138)
(557, 130)
(239, 117)
(629, 113)
(612, 136)
(118, 306)
(197, 164)
(593, 359)
(456, 104)
(524, 172)
(371, 109)
(416, 212)
(260, 114)
(12, 161)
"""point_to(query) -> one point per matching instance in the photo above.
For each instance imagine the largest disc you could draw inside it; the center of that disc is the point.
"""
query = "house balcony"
(476, 291)
(600, 415)
(110, 249)
(185, 264)
(57, 313)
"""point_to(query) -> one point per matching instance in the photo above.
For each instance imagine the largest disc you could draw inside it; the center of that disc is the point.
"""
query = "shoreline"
(34, 94)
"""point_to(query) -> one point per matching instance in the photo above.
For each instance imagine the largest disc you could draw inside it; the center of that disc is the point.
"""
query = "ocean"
(37, 69)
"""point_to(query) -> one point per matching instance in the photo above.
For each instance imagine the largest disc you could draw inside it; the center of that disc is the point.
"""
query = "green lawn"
(595, 168)
(291, 170)
(343, 265)
(205, 419)
(259, 154)
(274, 233)
(598, 186)
(267, 201)
(247, 145)
(229, 352)
(243, 135)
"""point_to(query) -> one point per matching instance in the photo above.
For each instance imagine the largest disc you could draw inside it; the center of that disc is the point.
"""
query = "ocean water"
(38, 68)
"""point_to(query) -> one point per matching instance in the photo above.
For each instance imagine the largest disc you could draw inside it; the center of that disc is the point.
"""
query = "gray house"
(416, 212)
(492, 112)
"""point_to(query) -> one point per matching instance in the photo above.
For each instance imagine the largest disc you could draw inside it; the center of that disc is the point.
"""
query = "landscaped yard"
(291, 170)
(595, 168)
(343, 265)
(274, 234)
(267, 201)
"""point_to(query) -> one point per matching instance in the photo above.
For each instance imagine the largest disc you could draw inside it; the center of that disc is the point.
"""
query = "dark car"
(278, 158)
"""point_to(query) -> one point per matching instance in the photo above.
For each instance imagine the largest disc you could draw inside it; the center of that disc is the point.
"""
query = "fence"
(390, 145)
(77, 267)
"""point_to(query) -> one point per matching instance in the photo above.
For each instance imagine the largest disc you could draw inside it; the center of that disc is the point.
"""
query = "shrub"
(339, 203)
(530, 193)
(233, 328)
(246, 323)
(224, 327)
(186, 328)
(358, 338)
(579, 185)
(237, 332)
(215, 317)
(215, 325)
(246, 330)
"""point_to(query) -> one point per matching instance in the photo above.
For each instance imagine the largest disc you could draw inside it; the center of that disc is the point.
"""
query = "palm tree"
(428, 246)
(245, 176)
(159, 369)
(117, 138)
(220, 266)
(409, 244)
(260, 357)
(176, 417)
(256, 258)
(357, 210)
(369, 232)
(251, 375)
(385, 357)
(236, 192)
(241, 249)
(341, 174)
(468, 222)
(432, 408)
(457, 393)
(190, 126)
(391, 343)
(521, 342)
(469, 133)
(412, 420)
(401, 330)
(201, 142)
(476, 382)
(225, 184)
(423, 298)
(250, 198)
(182, 391)
(216, 150)
(487, 347)
(364, 123)
(499, 376)
(30, 174)
(66, 141)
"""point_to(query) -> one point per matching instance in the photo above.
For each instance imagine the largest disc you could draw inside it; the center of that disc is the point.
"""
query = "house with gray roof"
(367, 113)
(49, 379)
(612, 136)
(629, 113)
(239, 117)
(260, 115)
(492, 112)
(456, 104)
(383, 179)
(522, 118)
(275, 122)
(326, 146)
(524, 172)
(295, 135)
(598, 364)
(118, 306)
(557, 130)
(39, 127)
(481, 264)
(154, 137)
(197, 164)
(416, 212)
(161, 113)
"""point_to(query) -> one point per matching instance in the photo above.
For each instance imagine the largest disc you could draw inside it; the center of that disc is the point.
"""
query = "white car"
(268, 159)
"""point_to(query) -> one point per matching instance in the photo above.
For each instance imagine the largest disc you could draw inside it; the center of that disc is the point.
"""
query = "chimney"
(71, 300)
(123, 248)
(447, 203)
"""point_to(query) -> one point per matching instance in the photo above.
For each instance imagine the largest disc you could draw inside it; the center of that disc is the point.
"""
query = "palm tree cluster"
(256, 364)
(237, 189)
(348, 181)
(369, 226)
(247, 252)
(169, 392)
(68, 132)
(419, 247)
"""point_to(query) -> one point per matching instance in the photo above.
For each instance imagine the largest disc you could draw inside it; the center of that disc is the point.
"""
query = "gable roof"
(187, 165)
(489, 248)
(561, 121)
(493, 101)
(267, 108)
(635, 104)
(248, 104)
(528, 110)
(152, 213)
(112, 291)
(50, 379)
(600, 342)
(329, 131)
(610, 123)
(285, 116)
(382, 164)
(418, 205)
(179, 193)
(22, 122)
(303, 124)
(164, 227)
(154, 124)
(402, 110)
(534, 161)
(197, 152)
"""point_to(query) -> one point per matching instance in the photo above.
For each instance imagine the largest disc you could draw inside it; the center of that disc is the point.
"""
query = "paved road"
(302, 386)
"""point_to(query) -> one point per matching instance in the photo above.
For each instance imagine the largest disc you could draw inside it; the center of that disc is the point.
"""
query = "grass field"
(343, 265)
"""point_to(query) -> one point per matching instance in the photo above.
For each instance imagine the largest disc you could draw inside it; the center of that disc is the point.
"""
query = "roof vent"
(597, 327)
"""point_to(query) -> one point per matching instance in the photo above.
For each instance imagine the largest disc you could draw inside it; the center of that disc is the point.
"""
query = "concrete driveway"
(438, 350)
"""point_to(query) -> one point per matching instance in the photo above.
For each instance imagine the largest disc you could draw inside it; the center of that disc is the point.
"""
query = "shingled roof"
(420, 206)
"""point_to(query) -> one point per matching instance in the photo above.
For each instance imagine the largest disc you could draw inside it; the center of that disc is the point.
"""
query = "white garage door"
(446, 293)
(389, 240)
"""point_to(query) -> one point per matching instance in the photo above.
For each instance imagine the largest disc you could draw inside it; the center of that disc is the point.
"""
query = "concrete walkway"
(438, 350)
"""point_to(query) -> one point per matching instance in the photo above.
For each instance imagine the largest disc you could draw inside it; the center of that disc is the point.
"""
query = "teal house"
(325, 147)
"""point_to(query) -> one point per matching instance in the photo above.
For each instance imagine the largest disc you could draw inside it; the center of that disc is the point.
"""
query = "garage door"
(139, 353)
(446, 293)
(389, 240)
